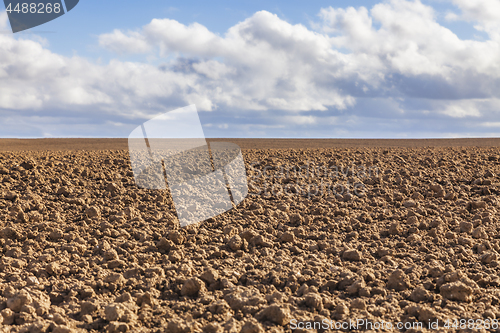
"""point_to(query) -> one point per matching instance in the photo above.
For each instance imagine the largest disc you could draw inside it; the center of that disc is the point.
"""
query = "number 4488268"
(35, 8)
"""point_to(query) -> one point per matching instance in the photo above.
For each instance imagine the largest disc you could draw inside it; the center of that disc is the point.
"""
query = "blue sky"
(358, 69)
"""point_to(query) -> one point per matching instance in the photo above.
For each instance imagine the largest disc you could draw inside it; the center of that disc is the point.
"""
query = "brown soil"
(83, 249)
(122, 144)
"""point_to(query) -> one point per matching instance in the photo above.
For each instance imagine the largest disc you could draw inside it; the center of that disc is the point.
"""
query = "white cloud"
(451, 16)
(301, 120)
(119, 42)
(491, 124)
(268, 62)
(35, 79)
(461, 109)
(479, 10)
(4, 20)
(486, 14)
(409, 40)
(213, 69)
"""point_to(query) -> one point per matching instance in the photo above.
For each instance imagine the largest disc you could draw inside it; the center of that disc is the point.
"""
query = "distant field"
(119, 144)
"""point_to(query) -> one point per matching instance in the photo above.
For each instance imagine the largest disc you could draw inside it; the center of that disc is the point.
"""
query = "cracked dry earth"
(84, 250)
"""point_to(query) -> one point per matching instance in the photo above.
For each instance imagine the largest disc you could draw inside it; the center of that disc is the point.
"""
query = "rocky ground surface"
(82, 249)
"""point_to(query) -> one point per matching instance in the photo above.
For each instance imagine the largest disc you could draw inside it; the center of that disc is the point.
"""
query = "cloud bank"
(387, 71)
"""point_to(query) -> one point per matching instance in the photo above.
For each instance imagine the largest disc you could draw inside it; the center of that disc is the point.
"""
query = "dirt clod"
(192, 287)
